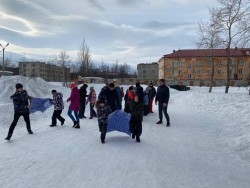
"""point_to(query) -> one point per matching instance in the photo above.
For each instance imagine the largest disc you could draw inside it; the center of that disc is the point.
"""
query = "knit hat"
(71, 86)
(18, 86)
(91, 88)
(112, 85)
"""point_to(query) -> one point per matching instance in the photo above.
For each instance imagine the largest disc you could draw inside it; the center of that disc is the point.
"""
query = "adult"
(118, 91)
(139, 92)
(152, 93)
(21, 108)
(74, 105)
(162, 97)
(110, 95)
(57, 101)
(83, 95)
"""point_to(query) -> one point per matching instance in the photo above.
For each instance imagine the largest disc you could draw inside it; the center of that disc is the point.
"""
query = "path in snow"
(187, 154)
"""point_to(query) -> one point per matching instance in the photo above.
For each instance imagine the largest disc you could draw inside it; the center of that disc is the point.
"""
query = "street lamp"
(3, 47)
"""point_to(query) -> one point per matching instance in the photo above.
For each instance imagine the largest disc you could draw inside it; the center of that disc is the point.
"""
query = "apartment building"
(45, 71)
(194, 67)
(148, 71)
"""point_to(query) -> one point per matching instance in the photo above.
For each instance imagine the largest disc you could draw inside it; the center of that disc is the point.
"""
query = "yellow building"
(194, 67)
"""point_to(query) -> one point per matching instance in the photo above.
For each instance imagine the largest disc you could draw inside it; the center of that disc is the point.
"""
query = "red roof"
(206, 52)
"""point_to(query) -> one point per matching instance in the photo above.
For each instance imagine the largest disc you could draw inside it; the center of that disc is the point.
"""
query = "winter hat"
(53, 91)
(18, 86)
(112, 85)
(137, 84)
(71, 86)
(162, 80)
(85, 85)
(91, 88)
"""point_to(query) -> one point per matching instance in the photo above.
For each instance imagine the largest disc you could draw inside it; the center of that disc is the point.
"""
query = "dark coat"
(111, 97)
(136, 111)
(152, 92)
(162, 95)
(58, 101)
(21, 101)
(139, 93)
(103, 113)
(83, 94)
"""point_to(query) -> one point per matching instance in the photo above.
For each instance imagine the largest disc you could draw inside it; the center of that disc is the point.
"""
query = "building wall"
(197, 71)
(148, 71)
(46, 71)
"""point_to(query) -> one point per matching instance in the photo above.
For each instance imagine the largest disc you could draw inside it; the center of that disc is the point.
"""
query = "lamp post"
(3, 47)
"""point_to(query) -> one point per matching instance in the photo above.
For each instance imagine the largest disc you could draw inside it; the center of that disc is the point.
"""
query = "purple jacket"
(75, 99)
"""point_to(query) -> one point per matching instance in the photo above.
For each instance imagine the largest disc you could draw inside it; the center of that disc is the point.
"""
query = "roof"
(205, 52)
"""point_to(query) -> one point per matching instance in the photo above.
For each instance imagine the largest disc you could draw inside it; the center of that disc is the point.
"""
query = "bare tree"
(63, 61)
(84, 58)
(233, 17)
(209, 38)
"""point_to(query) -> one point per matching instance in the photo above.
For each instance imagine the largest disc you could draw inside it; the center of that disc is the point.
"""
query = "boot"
(168, 124)
(30, 132)
(138, 138)
(52, 125)
(159, 122)
(133, 136)
(8, 137)
(77, 126)
(75, 123)
(103, 140)
(62, 122)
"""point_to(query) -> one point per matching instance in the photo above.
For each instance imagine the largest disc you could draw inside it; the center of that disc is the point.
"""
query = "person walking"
(162, 97)
(21, 108)
(103, 111)
(57, 101)
(92, 100)
(135, 124)
(152, 93)
(83, 95)
(74, 105)
(139, 92)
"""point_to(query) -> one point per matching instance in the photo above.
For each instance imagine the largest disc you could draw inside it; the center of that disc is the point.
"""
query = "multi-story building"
(47, 72)
(194, 67)
(148, 71)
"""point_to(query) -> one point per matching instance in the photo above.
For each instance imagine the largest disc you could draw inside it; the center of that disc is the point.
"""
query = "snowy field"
(206, 146)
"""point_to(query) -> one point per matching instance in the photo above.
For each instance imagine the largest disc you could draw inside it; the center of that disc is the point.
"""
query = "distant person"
(162, 97)
(92, 100)
(103, 111)
(118, 91)
(129, 96)
(110, 95)
(21, 108)
(146, 100)
(136, 118)
(139, 92)
(74, 105)
(83, 95)
(152, 93)
(57, 101)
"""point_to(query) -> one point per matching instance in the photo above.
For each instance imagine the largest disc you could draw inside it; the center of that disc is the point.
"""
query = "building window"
(230, 72)
(219, 71)
(179, 72)
(144, 71)
(241, 62)
(180, 64)
(220, 63)
(189, 76)
(189, 65)
(209, 63)
(153, 71)
(240, 71)
(209, 72)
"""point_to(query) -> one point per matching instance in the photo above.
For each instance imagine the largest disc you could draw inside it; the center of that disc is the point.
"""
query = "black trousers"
(82, 109)
(164, 109)
(103, 130)
(135, 127)
(17, 115)
(146, 109)
(57, 115)
(92, 111)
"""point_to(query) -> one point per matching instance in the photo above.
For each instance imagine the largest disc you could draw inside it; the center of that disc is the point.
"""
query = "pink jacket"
(92, 97)
(75, 99)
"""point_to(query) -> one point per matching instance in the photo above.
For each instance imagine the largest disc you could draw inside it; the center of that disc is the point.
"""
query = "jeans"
(164, 109)
(72, 117)
(17, 115)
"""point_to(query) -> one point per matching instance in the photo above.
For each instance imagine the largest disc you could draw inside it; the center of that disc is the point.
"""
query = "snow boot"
(103, 141)
(133, 136)
(77, 126)
(75, 123)
(159, 122)
(138, 139)
(8, 137)
(168, 124)
(30, 132)
(52, 125)
(62, 122)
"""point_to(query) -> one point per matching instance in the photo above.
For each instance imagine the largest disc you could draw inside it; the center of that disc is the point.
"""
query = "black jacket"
(111, 97)
(83, 94)
(162, 95)
(21, 101)
(103, 113)
(136, 111)
(152, 92)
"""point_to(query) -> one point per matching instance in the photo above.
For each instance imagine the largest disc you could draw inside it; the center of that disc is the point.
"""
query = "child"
(92, 100)
(136, 118)
(146, 97)
(57, 101)
(74, 105)
(103, 111)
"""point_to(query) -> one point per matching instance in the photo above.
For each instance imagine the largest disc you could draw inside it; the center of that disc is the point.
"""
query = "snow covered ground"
(207, 145)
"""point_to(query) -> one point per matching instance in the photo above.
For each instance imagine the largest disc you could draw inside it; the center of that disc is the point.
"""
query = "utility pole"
(3, 48)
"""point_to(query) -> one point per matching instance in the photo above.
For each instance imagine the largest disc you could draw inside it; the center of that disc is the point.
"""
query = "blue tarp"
(39, 104)
(119, 121)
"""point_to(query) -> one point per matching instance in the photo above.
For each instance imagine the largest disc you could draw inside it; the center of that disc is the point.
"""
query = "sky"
(130, 31)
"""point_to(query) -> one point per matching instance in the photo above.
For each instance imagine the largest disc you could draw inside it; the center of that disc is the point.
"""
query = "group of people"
(137, 103)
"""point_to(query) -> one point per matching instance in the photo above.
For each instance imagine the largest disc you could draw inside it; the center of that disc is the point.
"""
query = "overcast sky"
(132, 31)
